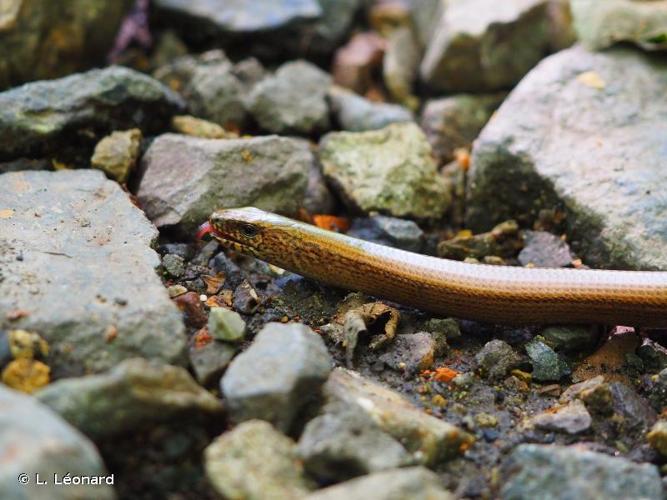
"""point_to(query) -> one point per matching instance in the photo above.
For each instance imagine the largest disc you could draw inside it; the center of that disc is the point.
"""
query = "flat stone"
(84, 282)
(411, 353)
(266, 172)
(355, 113)
(570, 338)
(210, 360)
(539, 471)
(574, 136)
(137, 393)
(389, 170)
(415, 483)
(602, 24)
(293, 100)
(34, 440)
(34, 46)
(38, 118)
(344, 443)
(496, 359)
(390, 231)
(572, 418)
(483, 45)
(542, 249)
(254, 461)
(455, 122)
(429, 439)
(277, 375)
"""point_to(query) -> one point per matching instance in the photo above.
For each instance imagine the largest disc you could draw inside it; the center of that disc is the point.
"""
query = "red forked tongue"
(204, 229)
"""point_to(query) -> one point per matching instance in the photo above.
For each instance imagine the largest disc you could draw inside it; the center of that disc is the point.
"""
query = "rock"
(601, 25)
(539, 471)
(483, 45)
(254, 461)
(496, 359)
(318, 198)
(117, 154)
(389, 170)
(390, 231)
(210, 359)
(174, 265)
(657, 393)
(196, 127)
(572, 418)
(42, 40)
(293, 101)
(190, 304)
(653, 355)
(635, 411)
(547, 365)
(411, 353)
(570, 338)
(355, 62)
(502, 241)
(531, 157)
(415, 483)
(35, 441)
(542, 249)
(38, 118)
(266, 172)
(246, 299)
(84, 282)
(401, 66)
(277, 375)
(357, 114)
(454, 122)
(429, 439)
(344, 443)
(576, 390)
(135, 393)
(210, 85)
(26, 375)
(447, 327)
(657, 438)
(226, 325)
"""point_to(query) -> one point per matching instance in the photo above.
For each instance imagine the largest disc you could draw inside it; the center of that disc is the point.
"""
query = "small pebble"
(226, 325)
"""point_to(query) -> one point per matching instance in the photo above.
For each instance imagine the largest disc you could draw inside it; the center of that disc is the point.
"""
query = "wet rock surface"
(86, 284)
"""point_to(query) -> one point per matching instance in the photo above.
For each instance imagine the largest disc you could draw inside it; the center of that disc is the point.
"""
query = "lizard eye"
(248, 230)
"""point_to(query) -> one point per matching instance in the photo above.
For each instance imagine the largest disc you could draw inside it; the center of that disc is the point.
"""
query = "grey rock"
(293, 100)
(484, 45)
(572, 418)
(411, 353)
(657, 393)
(390, 231)
(653, 355)
(496, 359)
(135, 393)
(174, 265)
(355, 113)
(43, 40)
(253, 461)
(635, 410)
(226, 325)
(602, 24)
(34, 440)
(116, 154)
(570, 338)
(575, 390)
(575, 135)
(447, 327)
(400, 65)
(210, 360)
(344, 443)
(415, 483)
(266, 172)
(551, 472)
(318, 198)
(455, 122)
(87, 284)
(389, 170)
(542, 249)
(38, 118)
(547, 365)
(277, 375)
(429, 439)
(211, 86)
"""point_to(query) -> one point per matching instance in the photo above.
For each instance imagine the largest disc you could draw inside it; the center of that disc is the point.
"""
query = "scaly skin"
(500, 294)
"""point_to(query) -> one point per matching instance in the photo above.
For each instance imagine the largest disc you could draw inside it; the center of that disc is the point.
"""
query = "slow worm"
(499, 294)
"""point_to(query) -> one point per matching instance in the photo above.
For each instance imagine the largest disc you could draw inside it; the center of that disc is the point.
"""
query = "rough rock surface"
(389, 170)
(253, 461)
(390, 231)
(538, 471)
(583, 133)
(277, 375)
(81, 280)
(41, 39)
(39, 117)
(34, 440)
(482, 45)
(133, 394)
(186, 178)
(355, 113)
(415, 483)
(293, 100)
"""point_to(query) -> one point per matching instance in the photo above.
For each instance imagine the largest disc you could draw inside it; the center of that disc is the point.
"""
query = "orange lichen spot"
(15, 314)
(247, 155)
(444, 374)
(202, 338)
(110, 334)
(462, 157)
(332, 223)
